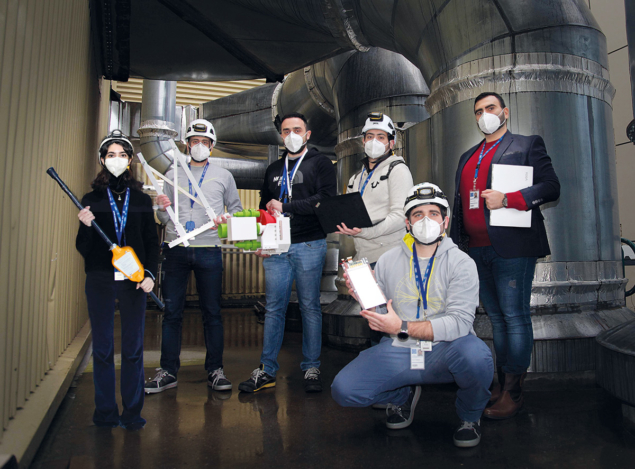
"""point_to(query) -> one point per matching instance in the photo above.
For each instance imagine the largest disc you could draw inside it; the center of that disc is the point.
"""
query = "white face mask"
(426, 231)
(200, 152)
(294, 142)
(490, 123)
(374, 148)
(116, 166)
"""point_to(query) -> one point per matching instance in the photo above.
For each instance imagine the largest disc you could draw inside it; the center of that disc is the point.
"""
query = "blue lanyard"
(422, 283)
(200, 183)
(288, 181)
(361, 191)
(120, 219)
(480, 158)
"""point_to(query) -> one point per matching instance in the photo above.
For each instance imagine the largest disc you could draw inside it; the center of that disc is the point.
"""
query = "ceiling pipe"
(157, 129)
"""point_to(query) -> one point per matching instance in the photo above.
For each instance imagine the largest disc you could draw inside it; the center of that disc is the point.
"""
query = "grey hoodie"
(452, 294)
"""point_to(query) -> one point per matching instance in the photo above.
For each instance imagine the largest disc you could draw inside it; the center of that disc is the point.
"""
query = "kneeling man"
(432, 288)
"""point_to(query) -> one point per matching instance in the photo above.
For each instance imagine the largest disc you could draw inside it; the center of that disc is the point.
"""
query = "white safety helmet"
(112, 136)
(426, 193)
(202, 128)
(379, 121)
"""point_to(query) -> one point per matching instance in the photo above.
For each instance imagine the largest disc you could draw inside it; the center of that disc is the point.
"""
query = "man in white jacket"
(383, 182)
(432, 288)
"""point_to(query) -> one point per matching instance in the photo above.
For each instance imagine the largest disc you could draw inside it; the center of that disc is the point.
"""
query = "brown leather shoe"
(510, 401)
(496, 388)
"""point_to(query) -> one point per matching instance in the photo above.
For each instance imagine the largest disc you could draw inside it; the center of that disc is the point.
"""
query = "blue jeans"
(207, 264)
(382, 375)
(304, 263)
(505, 291)
(101, 292)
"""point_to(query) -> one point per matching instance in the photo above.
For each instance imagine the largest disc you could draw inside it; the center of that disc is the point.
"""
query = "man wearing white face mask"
(292, 185)
(432, 289)
(203, 257)
(383, 183)
(505, 256)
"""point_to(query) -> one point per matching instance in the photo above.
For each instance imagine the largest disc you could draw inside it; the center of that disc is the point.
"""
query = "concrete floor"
(567, 421)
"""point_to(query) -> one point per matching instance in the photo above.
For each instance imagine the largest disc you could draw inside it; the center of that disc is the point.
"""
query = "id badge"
(119, 276)
(189, 226)
(474, 199)
(417, 359)
(426, 346)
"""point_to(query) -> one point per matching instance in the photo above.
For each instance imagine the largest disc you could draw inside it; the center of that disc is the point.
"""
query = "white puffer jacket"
(384, 200)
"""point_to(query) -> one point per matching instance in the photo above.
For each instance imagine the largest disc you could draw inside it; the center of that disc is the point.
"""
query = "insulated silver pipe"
(157, 122)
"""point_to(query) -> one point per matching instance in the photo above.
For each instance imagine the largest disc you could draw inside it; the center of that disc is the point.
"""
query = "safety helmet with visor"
(379, 121)
(426, 193)
(201, 128)
(116, 136)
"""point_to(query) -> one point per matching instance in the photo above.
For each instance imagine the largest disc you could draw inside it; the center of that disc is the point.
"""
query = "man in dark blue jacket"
(505, 256)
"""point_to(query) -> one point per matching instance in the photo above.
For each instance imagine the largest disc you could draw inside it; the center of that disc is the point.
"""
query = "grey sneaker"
(401, 416)
(161, 381)
(312, 380)
(218, 381)
(468, 434)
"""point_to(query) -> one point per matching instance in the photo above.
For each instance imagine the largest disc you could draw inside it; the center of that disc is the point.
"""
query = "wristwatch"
(505, 201)
(403, 333)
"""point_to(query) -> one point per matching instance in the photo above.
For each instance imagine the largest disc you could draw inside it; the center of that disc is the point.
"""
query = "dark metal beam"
(198, 20)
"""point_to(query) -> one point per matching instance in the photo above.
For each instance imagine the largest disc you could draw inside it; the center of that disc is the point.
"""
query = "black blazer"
(514, 242)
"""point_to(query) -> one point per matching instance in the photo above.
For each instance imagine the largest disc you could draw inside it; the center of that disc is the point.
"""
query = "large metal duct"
(549, 60)
(629, 9)
(158, 127)
(336, 96)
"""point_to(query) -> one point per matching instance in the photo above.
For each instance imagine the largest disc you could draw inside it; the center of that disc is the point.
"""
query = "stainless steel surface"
(244, 117)
(549, 61)
(528, 72)
(629, 9)
(616, 361)
(157, 126)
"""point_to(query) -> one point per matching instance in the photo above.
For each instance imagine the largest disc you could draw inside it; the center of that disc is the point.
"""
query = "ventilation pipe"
(549, 61)
(329, 94)
(157, 128)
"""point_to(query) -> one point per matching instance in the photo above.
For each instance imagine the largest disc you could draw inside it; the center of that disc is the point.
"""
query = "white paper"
(127, 264)
(365, 286)
(511, 178)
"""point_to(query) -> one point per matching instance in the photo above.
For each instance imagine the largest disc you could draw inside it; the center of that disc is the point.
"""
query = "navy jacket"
(514, 242)
(314, 180)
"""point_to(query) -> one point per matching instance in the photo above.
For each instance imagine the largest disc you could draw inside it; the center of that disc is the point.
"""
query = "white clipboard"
(511, 178)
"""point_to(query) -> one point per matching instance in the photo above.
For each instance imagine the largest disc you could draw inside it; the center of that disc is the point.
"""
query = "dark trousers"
(101, 292)
(207, 264)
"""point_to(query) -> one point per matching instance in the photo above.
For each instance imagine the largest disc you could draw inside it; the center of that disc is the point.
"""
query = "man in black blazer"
(505, 257)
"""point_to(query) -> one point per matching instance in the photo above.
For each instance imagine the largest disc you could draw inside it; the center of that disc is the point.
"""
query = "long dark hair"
(104, 178)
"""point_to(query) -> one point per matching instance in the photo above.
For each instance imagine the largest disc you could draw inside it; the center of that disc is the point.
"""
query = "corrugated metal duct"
(49, 108)
(548, 59)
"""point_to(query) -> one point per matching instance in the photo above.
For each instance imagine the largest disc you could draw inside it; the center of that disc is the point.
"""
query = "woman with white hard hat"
(124, 213)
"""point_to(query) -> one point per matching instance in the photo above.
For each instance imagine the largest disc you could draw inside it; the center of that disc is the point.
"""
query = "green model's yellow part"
(248, 212)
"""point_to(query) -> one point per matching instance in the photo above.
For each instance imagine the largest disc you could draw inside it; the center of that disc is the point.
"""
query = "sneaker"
(401, 416)
(312, 380)
(259, 380)
(468, 434)
(161, 381)
(218, 381)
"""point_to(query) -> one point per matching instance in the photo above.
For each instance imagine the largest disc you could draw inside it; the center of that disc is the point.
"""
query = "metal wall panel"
(49, 103)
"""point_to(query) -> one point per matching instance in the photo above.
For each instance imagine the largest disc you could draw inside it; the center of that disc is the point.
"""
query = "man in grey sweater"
(203, 256)
(432, 288)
